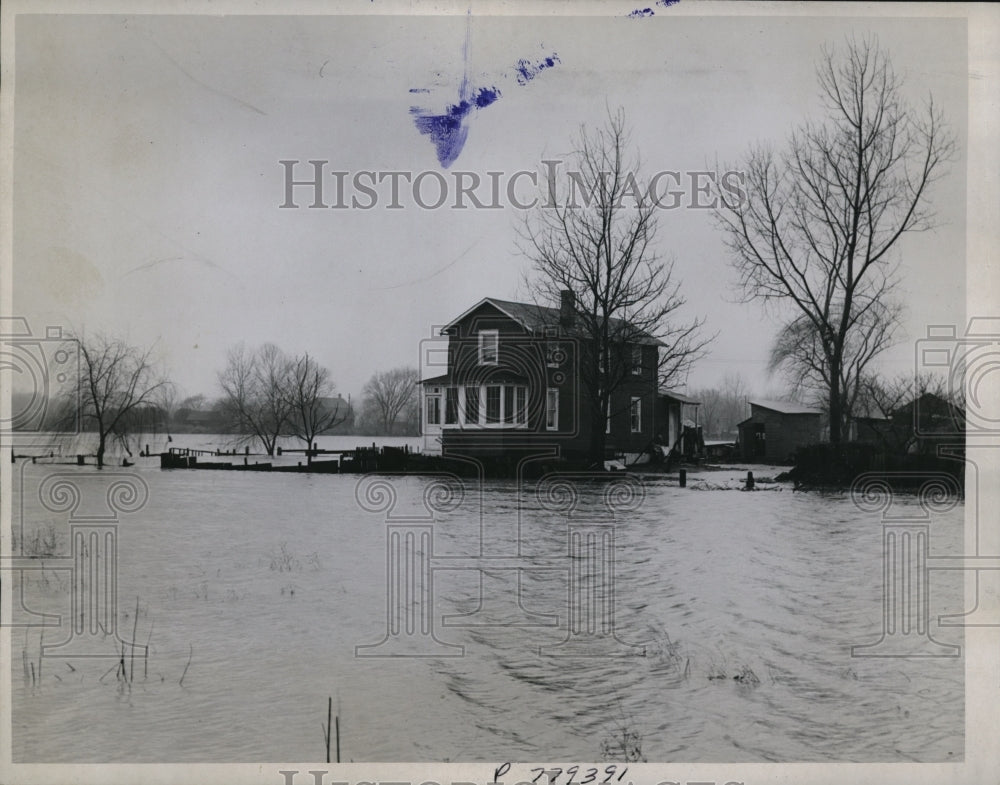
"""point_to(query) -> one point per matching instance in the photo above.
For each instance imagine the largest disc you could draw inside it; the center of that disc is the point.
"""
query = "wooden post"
(749, 485)
(683, 476)
(338, 737)
(329, 717)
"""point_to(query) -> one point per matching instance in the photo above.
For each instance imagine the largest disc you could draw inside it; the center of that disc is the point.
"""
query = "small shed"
(776, 429)
(677, 415)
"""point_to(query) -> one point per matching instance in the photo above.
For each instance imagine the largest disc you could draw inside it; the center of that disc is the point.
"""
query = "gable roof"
(785, 407)
(536, 318)
(929, 404)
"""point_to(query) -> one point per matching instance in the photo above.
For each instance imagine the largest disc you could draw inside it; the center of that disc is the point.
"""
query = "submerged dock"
(358, 460)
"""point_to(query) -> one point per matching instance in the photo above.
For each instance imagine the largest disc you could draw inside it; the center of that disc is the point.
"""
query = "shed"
(776, 429)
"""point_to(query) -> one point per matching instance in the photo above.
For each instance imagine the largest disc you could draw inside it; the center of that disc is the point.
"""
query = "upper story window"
(636, 359)
(489, 347)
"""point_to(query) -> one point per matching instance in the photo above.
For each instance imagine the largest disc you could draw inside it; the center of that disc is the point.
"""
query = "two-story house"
(518, 382)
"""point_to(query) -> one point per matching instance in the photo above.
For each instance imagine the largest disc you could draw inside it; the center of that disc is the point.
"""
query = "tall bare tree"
(798, 353)
(117, 381)
(389, 393)
(605, 252)
(255, 386)
(819, 220)
(311, 391)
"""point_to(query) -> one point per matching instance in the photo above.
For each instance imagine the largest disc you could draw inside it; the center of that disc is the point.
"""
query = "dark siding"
(522, 356)
(784, 433)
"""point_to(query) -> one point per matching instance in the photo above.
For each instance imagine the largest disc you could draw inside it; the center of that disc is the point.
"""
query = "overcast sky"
(147, 181)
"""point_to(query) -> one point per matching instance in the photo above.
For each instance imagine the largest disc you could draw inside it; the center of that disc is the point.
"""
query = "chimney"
(567, 308)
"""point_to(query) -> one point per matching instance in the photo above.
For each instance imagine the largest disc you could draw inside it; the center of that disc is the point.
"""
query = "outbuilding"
(776, 429)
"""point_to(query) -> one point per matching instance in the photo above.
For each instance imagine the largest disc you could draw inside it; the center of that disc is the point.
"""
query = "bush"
(839, 464)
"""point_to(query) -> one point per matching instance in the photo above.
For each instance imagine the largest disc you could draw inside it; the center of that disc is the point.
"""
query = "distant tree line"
(120, 393)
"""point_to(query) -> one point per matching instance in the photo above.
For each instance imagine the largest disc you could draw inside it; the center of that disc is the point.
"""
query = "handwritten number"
(539, 775)
(591, 776)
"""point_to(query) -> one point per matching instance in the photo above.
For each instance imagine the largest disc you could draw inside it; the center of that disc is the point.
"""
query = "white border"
(982, 761)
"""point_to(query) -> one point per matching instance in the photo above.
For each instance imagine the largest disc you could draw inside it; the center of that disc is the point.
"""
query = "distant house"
(776, 429)
(514, 386)
(924, 423)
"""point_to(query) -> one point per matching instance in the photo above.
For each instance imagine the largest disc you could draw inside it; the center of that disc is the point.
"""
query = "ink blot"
(527, 70)
(448, 131)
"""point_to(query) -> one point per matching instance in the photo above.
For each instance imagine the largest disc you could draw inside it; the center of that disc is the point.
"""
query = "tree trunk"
(101, 444)
(836, 411)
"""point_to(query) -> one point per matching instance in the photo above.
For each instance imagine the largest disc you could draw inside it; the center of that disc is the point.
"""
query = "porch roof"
(665, 393)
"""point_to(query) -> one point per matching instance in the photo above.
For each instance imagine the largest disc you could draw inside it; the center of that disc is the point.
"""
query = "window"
(432, 413)
(508, 404)
(635, 415)
(636, 360)
(493, 404)
(489, 347)
(554, 355)
(451, 406)
(472, 405)
(521, 405)
(551, 409)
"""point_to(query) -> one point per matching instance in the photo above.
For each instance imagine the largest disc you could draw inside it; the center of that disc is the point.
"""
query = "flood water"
(256, 588)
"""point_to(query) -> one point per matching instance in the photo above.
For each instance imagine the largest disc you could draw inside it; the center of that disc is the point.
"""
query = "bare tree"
(195, 403)
(723, 406)
(311, 391)
(604, 252)
(798, 353)
(255, 386)
(816, 224)
(389, 393)
(884, 399)
(117, 382)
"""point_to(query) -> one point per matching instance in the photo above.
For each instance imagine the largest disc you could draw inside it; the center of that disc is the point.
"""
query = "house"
(925, 423)
(776, 429)
(515, 385)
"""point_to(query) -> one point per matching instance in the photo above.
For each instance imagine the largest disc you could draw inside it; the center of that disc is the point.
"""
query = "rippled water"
(269, 581)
